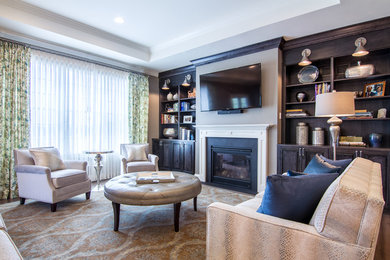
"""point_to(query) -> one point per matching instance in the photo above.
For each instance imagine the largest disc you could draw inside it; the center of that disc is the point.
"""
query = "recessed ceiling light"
(119, 19)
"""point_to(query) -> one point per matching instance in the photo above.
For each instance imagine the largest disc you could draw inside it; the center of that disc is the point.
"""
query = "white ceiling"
(160, 35)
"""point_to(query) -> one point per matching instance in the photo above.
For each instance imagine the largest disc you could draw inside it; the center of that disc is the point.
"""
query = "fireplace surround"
(256, 131)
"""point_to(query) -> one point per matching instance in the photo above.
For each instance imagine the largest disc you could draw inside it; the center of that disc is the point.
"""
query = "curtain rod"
(72, 56)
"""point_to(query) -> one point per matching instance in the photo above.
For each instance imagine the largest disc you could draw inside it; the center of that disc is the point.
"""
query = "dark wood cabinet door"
(348, 152)
(308, 152)
(166, 155)
(289, 158)
(177, 156)
(189, 157)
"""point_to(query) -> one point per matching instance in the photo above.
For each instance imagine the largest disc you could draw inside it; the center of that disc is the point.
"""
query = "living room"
(86, 83)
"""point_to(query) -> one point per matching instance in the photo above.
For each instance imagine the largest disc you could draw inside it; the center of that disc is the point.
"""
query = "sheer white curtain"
(78, 106)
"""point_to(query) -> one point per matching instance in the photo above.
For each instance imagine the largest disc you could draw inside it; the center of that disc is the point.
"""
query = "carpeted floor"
(83, 229)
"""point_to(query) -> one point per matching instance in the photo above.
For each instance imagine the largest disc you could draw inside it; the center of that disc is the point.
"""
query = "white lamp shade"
(335, 104)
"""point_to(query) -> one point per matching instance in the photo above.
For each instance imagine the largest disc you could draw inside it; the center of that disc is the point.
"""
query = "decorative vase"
(175, 97)
(169, 96)
(318, 136)
(302, 133)
(301, 96)
(170, 133)
(375, 140)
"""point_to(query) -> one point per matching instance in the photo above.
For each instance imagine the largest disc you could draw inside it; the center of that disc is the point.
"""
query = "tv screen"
(238, 88)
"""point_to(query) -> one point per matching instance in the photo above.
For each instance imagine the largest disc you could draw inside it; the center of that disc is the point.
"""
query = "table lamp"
(332, 105)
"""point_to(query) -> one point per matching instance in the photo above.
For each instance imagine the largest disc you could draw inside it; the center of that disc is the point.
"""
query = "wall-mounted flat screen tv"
(232, 89)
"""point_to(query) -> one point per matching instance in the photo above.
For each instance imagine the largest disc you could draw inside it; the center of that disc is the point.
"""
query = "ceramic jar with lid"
(318, 136)
(302, 133)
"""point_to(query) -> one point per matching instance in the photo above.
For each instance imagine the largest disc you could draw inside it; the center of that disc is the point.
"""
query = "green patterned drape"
(138, 108)
(14, 111)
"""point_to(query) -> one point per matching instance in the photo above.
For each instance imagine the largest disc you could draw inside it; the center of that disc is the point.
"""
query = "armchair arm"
(79, 165)
(124, 164)
(242, 233)
(32, 169)
(153, 159)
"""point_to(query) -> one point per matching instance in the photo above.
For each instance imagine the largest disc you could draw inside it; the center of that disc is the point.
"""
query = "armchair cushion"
(294, 197)
(136, 152)
(140, 166)
(48, 157)
(63, 178)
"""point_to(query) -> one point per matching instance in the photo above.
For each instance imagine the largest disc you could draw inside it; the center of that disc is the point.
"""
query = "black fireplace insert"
(232, 163)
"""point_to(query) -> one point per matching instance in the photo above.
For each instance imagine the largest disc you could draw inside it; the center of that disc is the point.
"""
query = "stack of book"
(352, 141)
(360, 114)
(296, 112)
(321, 88)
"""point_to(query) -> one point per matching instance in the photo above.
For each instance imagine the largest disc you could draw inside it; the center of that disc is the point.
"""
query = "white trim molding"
(258, 131)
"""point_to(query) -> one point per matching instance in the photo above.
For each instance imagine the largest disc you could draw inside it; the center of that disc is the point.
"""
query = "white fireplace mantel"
(258, 131)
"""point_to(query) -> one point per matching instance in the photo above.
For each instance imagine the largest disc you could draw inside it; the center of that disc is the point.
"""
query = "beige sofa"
(8, 249)
(345, 224)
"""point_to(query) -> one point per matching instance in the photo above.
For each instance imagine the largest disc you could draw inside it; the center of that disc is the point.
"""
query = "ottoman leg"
(116, 208)
(195, 203)
(176, 211)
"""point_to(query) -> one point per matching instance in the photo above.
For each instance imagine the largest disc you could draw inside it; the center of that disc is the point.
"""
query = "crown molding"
(257, 47)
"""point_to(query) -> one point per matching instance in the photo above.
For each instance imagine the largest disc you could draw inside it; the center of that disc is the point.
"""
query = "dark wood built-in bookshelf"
(332, 55)
(176, 153)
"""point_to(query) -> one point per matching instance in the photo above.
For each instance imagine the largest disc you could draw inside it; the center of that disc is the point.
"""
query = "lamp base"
(334, 130)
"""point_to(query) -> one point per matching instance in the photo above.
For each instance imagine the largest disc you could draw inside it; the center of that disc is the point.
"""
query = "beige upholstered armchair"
(136, 158)
(57, 180)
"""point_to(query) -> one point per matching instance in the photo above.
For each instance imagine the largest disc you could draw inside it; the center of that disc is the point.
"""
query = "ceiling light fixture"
(119, 20)
(187, 81)
(360, 50)
(165, 86)
(305, 58)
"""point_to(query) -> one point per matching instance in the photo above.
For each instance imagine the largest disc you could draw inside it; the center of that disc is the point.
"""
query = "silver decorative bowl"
(170, 133)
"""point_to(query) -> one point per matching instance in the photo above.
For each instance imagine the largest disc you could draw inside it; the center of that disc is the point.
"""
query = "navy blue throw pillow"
(294, 198)
(319, 166)
(295, 173)
(338, 163)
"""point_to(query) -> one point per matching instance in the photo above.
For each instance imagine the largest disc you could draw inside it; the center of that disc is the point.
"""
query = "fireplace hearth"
(232, 163)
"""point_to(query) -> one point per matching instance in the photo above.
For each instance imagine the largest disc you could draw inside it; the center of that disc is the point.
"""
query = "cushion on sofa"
(294, 197)
(294, 173)
(338, 163)
(318, 166)
(47, 157)
(63, 178)
(350, 205)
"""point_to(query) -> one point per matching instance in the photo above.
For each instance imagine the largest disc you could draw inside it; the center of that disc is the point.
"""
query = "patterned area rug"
(83, 229)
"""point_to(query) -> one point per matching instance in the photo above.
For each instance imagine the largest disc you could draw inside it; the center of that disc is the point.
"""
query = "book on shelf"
(345, 143)
(296, 113)
(294, 110)
(155, 177)
(321, 88)
(359, 115)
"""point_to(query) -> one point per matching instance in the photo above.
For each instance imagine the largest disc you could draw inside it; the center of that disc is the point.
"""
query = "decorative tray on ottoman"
(154, 177)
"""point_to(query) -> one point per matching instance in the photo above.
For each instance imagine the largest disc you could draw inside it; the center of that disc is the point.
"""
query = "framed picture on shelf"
(187, 119)
(375, 89)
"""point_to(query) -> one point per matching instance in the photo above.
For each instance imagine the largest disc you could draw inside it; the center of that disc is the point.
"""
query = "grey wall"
(153, 127)
(271, 99)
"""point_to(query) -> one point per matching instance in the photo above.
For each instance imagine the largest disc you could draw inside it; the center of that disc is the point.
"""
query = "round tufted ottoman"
(125, 190)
